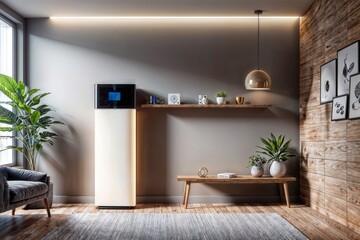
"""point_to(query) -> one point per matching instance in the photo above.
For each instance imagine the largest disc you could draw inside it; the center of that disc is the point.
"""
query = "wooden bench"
(240, 179)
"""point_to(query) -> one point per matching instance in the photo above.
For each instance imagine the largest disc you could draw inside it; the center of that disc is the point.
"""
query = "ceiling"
(47, 8)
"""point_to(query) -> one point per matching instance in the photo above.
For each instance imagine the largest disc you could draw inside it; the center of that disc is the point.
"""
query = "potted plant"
(221, 97)
(256, 162)
(276, 148)
(30, 119)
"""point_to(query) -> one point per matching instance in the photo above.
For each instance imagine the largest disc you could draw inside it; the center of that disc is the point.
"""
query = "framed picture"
(339, 108)
(354, 96)
(328, 81)
(347, 65)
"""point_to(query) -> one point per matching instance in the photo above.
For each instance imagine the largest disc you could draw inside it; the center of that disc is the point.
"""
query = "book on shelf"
(226, 175)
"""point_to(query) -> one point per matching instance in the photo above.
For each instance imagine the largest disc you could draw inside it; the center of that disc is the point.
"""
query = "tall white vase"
(277, 169)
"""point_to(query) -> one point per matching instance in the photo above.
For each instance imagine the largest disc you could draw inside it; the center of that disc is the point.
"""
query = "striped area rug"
(175, 226)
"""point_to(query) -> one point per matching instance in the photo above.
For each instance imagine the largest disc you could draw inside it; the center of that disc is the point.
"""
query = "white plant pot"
(257, 171)
(277, 169)
(220, 100)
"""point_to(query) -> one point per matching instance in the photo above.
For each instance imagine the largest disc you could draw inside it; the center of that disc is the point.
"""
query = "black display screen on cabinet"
(115, 95)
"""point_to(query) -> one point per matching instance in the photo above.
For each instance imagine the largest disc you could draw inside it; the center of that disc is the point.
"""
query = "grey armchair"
(19, 187)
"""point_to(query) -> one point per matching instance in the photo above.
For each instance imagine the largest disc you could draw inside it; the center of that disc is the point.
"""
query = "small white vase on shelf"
(257, 171)
(220, 100)
(277, 169)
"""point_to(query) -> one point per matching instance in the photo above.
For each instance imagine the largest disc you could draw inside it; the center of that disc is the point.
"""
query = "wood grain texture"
(312, 181)
(353, 129)
(353, 152)
(336, 208)
(312, 133)
(245, 179)
(336, 187)
(312, 165)
(31, 224)
(335, 169)
(314, 116)
(312, 197)
(310, 149)
(353, 213)
(328, 25)
(353, 190)
(336, 150)
(353, 172)
(237, 106)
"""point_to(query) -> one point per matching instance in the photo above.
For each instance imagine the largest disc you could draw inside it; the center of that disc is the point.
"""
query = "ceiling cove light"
(258, 79)
(165, 17)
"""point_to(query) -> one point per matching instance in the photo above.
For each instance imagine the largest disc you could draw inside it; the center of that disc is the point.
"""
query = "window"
(7, 67)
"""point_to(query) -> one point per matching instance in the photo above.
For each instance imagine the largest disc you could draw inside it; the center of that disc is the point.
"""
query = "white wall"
(67, 58)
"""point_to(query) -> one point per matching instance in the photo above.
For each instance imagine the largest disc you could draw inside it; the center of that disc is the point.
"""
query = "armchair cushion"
(23, 175)
(20, 190)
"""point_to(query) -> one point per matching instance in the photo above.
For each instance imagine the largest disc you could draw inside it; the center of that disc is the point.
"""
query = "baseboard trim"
(73, 199)
(178, 199)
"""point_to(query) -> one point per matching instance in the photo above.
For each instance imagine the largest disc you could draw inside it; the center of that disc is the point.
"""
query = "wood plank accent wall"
(330, 151)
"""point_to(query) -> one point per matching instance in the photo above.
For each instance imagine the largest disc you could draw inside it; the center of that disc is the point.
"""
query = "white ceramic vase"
(257, 171)
(277, 169)
(220, 100)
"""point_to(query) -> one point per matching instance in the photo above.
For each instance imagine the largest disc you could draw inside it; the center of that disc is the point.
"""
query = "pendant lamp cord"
(258, 42)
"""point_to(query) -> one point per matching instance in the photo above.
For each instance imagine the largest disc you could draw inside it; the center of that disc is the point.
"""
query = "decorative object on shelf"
(276, 148)
(156, 100)
(328, 81)
(258, 79)
(347, 65)
(203, 100)
(203, 172)
(221, 98)
(339, 108)
(256, 162)
(354, 108)
(239, 100)
(226, 175)
(174, 98)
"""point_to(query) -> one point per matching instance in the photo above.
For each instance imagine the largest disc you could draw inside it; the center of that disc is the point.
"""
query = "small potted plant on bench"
(221, 97)
(256, 162)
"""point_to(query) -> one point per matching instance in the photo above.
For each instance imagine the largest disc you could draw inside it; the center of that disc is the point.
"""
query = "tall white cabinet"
(115, 149)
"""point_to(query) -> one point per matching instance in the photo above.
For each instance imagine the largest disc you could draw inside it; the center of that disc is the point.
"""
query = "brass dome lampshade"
(258, 79)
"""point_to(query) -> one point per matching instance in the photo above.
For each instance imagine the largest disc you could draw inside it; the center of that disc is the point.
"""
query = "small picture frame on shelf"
(339, 108)
(328, 81)
(347, 65)
(354, 97)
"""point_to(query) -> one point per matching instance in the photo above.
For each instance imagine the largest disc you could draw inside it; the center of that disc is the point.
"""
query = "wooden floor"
(34, 224)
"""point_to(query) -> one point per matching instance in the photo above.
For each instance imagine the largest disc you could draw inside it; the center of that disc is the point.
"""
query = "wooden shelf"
(204, 106)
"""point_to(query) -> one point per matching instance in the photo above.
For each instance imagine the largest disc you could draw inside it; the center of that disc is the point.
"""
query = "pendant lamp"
(258, 79)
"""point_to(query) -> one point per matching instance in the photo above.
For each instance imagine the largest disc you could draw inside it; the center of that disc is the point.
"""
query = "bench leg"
(286, 194)
(13, 211)
(184, 197)
(187, 193)
(47, 207)
(281, 190)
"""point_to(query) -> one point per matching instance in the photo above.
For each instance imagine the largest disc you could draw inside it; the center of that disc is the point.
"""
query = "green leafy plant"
(257, 160)
(221, 94)
(276, 148)
(30, 119)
